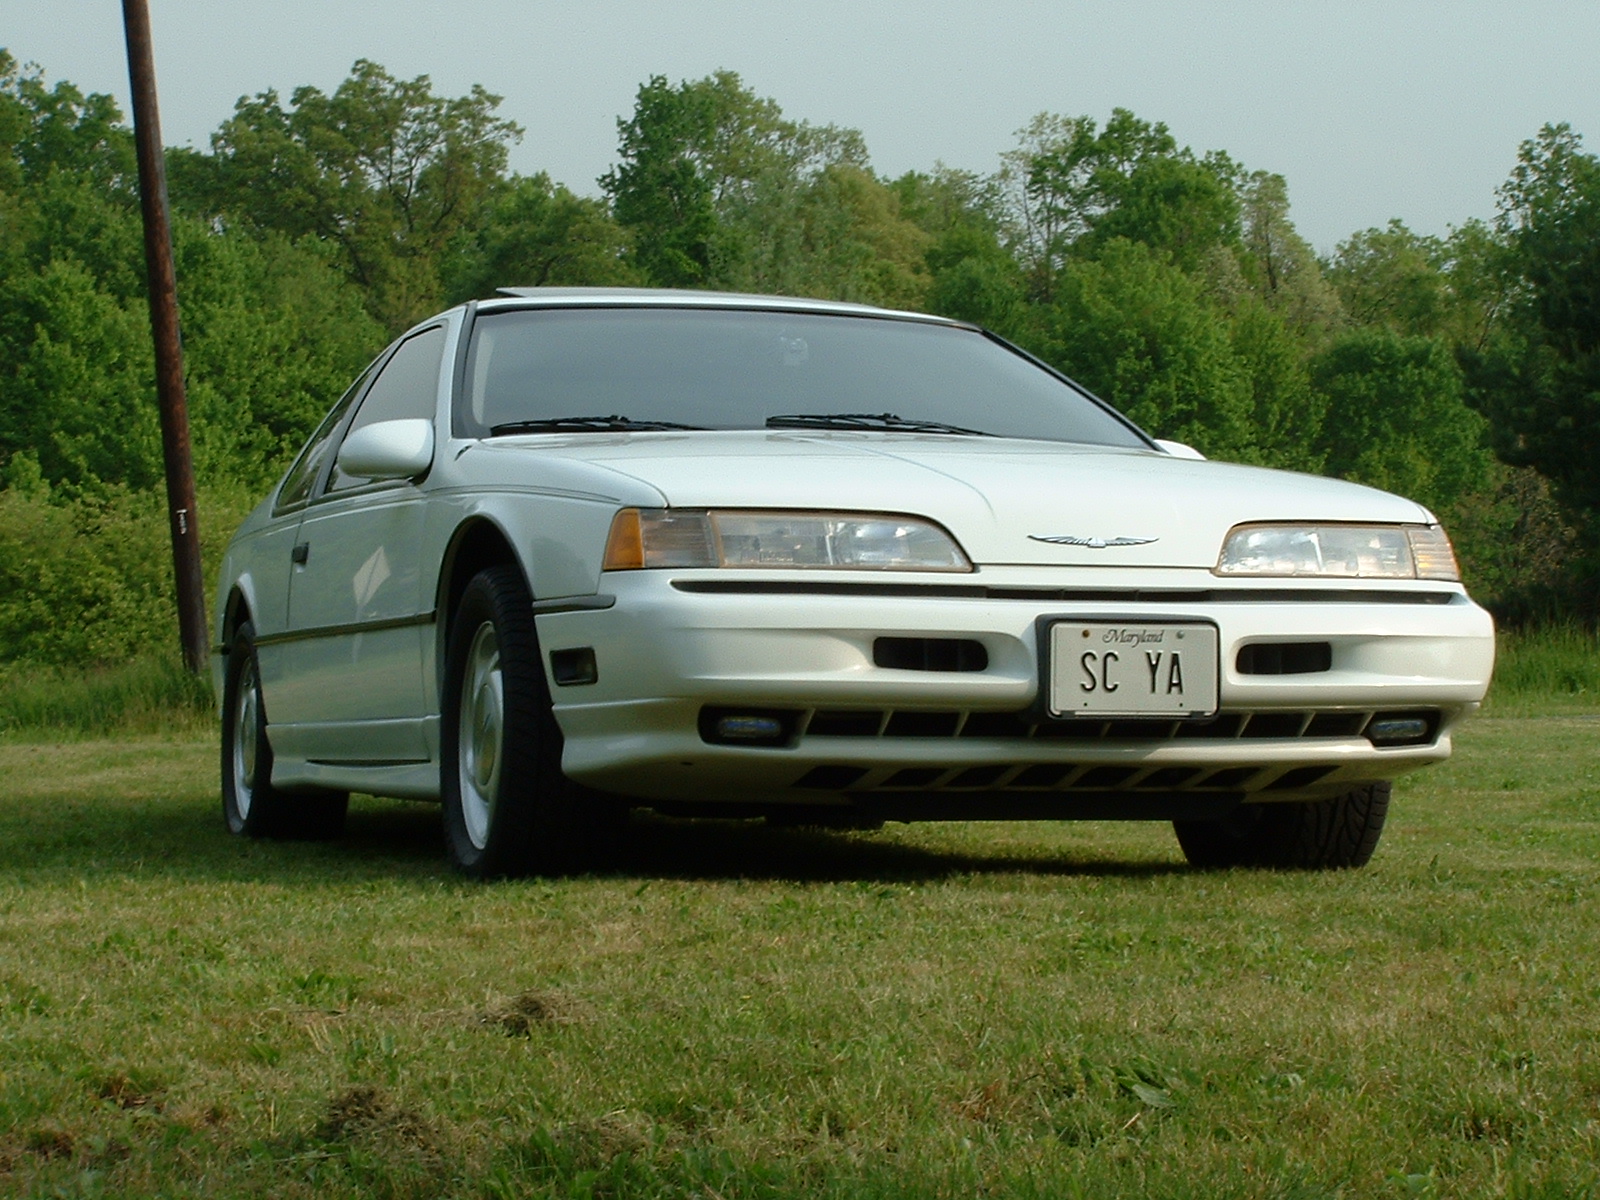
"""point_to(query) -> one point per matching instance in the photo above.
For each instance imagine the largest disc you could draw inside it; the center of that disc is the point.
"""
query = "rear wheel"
(1313, 835)
(508, 809)
(251, 806)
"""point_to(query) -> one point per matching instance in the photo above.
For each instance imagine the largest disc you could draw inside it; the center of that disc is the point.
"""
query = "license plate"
(1132, 669)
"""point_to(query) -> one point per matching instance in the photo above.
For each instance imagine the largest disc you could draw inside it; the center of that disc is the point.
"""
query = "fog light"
(1399, 730)
(747, 727)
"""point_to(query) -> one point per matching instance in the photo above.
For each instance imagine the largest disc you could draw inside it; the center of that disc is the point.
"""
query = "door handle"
(301, 552)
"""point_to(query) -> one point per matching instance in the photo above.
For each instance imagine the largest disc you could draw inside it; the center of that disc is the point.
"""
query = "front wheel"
(508, 809)
(251, 805)
(1310, 835)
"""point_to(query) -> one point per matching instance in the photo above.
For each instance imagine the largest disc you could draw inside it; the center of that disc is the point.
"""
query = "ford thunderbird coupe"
(568, 552)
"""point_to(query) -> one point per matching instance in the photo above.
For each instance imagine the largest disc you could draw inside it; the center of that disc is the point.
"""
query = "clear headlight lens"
(1339, 552)
(664, 537)
(1432, 552)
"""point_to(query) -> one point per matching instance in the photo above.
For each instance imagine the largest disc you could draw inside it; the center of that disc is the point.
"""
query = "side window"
(303, 474)
(407, 387)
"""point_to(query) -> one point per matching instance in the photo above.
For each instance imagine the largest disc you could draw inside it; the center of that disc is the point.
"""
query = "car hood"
(999, 497)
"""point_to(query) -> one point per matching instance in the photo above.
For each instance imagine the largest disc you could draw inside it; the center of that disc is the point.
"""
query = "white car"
(569, 551)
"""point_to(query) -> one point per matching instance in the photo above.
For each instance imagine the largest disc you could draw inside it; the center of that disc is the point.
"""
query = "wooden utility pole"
(169, 348)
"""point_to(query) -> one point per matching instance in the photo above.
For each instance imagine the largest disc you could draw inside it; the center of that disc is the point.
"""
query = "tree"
(44, 131)
(1138, 331)
(718, 188)
(837, 234)
(1287, 414)
(659, 191)
(1538, 379)
(1074, 188)
(536, 233)
(1176, 204)
(272, 333)
(383, 169)
(704, 167)
(1393, 277)
(972, 276)
(1451, 287)
(1280, 265)
(1396, 417)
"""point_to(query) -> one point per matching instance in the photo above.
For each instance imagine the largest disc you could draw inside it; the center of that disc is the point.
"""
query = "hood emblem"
(1094, 543)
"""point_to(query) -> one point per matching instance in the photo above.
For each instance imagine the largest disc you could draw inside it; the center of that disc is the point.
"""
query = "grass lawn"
(1006, 1010)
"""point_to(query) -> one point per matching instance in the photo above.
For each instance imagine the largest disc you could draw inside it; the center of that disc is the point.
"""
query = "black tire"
(1314, 835)
(251, 805)
(508, 809)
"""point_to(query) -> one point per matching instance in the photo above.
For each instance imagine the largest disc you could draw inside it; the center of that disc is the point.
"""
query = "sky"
(1371, 110)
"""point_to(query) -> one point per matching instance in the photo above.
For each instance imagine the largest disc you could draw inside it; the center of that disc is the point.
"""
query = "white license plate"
(1132, 669)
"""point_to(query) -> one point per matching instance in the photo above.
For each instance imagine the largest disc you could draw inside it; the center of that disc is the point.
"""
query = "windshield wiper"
(580, 425)
(866, 421)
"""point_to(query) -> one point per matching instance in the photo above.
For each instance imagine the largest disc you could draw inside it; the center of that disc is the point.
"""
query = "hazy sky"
(1371, 110)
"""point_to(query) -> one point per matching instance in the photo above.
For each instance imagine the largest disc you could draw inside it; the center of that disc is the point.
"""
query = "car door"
(358, 602)
(270, 554)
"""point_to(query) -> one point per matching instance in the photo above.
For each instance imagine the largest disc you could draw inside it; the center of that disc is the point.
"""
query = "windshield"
(564, 370)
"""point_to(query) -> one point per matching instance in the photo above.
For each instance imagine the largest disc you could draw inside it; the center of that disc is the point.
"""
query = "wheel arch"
(477, 544)
(235, 613)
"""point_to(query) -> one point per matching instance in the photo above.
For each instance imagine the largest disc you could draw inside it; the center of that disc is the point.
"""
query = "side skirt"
(405, 781)
(381, 758)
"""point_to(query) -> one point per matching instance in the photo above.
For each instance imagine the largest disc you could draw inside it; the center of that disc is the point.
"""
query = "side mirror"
(389, 450)
(1179, 450)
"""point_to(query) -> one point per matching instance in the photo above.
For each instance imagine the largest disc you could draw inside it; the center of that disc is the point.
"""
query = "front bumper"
(677, 644)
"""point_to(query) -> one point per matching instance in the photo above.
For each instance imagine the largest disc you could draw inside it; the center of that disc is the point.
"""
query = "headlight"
(666, 537)
(1339, 551)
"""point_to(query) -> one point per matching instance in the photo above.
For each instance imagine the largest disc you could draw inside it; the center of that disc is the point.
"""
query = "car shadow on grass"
(654, 847)
(394, 840)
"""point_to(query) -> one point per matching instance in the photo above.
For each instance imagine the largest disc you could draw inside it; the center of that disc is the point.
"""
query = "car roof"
(620, 297)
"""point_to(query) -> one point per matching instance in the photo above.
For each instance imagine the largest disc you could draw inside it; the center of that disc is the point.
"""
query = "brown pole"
(169, 348)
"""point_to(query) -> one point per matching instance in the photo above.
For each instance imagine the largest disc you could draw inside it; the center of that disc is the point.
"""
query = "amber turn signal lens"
(625, 544)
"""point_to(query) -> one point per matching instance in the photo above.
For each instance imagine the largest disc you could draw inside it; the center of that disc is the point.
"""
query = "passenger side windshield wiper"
(580, 425)
(865, 421)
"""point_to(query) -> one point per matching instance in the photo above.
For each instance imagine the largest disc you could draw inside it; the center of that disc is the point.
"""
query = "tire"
(508, 809)
(1315, 835)
(251, 806)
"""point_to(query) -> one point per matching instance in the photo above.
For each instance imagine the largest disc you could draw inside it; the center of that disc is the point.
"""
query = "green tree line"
(1463, 371)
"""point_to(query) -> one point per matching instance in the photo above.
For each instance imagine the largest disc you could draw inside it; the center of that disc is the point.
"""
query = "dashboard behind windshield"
(735, 369)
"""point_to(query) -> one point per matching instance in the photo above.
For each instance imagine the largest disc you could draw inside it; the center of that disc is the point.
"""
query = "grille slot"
(979, 777)
(913, 777)
(845, 724)
(1104, 778)
(1231, 777)
(995, 725)
(1170, 777)
(1043, 775)
(922, 725)
(1336, 725)
(930, 654)
(1298, 778)
(1274, 725)
(828, 778)
(1284, 658)
(1224, 725)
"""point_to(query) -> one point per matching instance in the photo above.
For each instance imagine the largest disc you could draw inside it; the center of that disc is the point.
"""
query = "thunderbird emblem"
(1093, 543)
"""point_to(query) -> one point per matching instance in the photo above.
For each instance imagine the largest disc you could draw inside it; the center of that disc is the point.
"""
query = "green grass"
(1556, 666)
(153, 694)
(1005, 1010)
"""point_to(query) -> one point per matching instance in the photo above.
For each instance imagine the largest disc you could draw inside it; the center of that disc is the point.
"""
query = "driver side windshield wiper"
(866, 421)
(580, 425)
